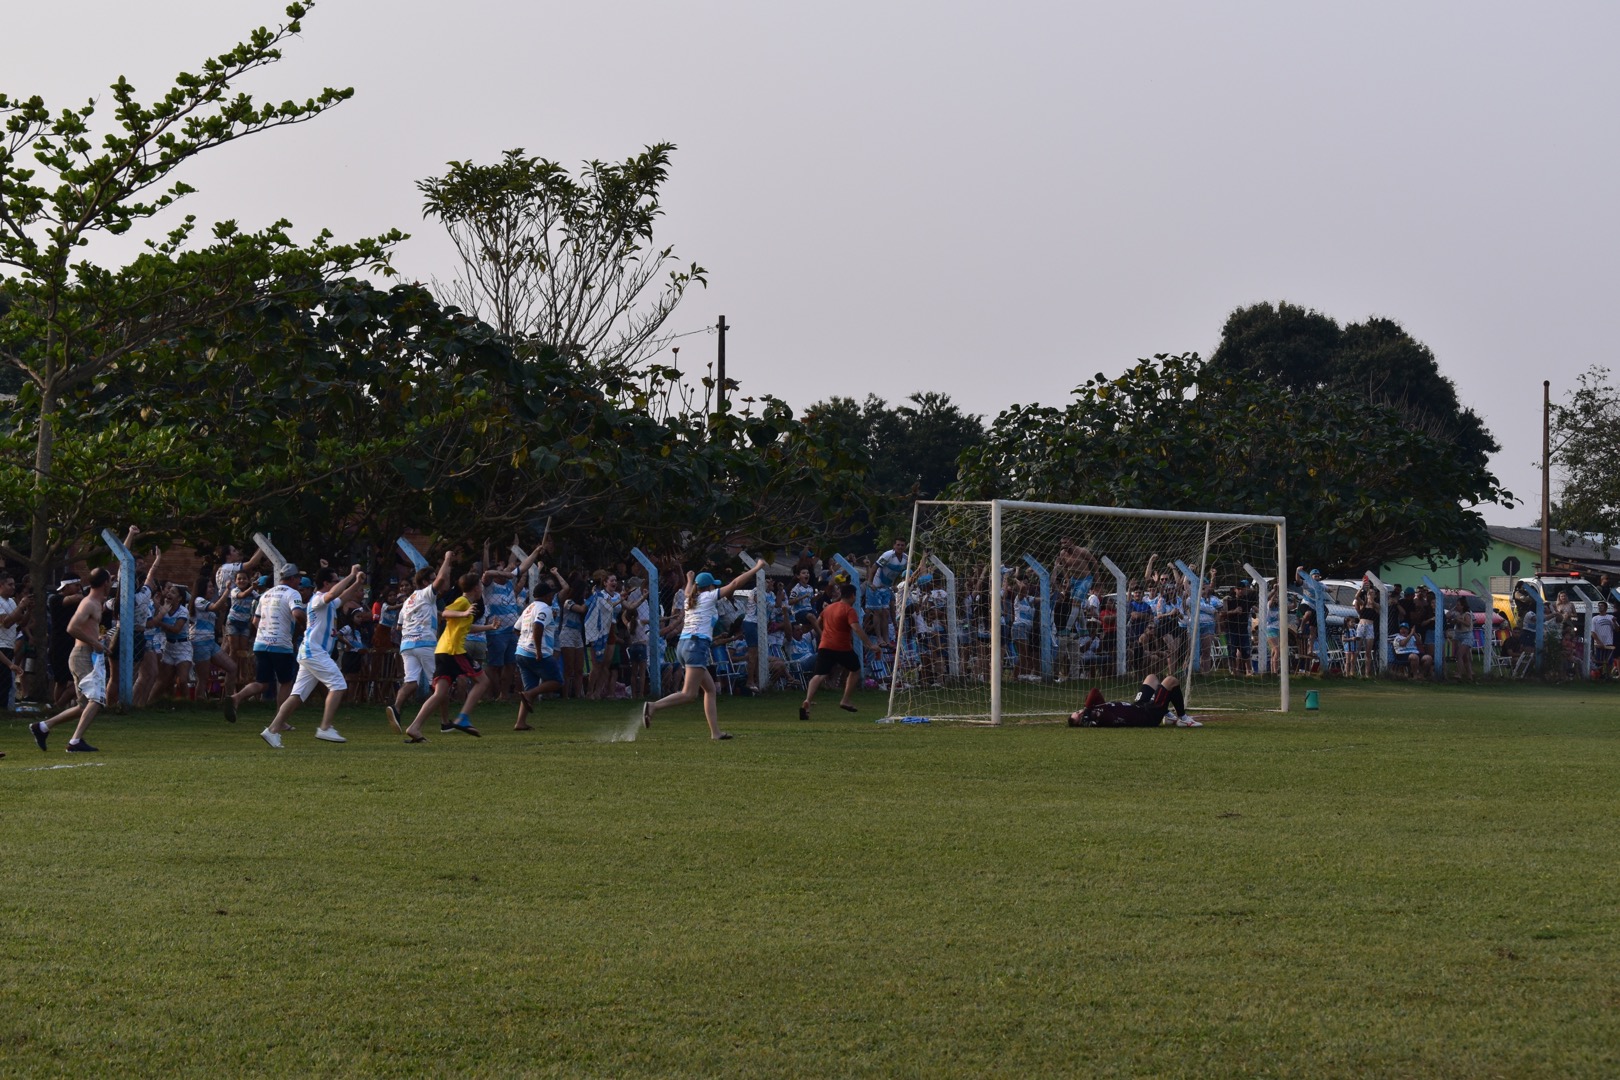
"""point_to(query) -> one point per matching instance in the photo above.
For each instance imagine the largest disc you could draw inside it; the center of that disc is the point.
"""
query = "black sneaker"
(81, 747)
(40, 733)
(446, 728)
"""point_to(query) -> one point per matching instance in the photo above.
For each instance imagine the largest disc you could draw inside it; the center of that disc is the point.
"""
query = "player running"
(418, 635)
(451, 662)
(279, 610)
(88, 663)
(836, 629)
(702, 593)
(315, 663)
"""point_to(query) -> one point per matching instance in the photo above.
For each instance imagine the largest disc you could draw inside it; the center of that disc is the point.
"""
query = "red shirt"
(837, 627)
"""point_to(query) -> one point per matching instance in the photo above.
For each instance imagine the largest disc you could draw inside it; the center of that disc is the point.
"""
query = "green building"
(1514, 553)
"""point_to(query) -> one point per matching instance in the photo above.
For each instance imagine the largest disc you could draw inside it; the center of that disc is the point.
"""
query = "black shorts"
(274, 667)
(450, 668)
(830, 660)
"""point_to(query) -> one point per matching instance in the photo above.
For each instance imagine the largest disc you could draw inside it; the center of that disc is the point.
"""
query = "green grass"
(1412, 882)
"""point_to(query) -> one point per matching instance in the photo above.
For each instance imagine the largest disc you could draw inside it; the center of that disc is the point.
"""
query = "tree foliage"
(1585, 446)
(1378, 360)
(568, 261)
(910, 450)
(1358, 485)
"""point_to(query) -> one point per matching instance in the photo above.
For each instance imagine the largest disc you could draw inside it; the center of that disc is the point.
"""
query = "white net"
(1088, 597)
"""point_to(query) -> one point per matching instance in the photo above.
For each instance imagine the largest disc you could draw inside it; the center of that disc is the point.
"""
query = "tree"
(1358, 485)
(570, 262)
(1378, 360)
(911, 450)
(1585, 444)
(67, 323)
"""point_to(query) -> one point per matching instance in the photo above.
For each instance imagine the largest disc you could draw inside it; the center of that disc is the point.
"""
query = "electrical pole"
(1546, 473)
(720, 383)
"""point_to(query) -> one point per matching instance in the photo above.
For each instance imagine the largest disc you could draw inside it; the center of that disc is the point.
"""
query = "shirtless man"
(88, 663)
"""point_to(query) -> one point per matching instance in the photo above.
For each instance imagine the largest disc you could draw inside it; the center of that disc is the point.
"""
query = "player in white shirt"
(703, 592)
(315, 662)
(887, 571)
(276, 621)
(536, 654)
(418, 636)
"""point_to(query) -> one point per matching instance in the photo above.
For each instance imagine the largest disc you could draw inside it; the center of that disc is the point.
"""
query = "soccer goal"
(1014, 610)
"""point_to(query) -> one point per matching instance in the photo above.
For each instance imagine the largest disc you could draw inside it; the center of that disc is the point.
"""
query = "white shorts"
(317, 668)
(176, 653)
(419, 667)
(92, 686)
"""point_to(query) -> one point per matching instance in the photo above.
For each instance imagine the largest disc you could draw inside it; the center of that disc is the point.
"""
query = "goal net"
(1014, 610)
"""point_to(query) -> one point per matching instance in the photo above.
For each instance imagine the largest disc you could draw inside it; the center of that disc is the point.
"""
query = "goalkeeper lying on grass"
(1152, 707)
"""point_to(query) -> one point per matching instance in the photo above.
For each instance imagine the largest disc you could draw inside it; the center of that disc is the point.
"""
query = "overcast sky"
(991, 200)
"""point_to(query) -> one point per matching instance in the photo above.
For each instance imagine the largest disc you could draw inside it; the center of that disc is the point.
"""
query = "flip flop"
(804, 713)
(848, 708)
(409, 738)
(723, 735)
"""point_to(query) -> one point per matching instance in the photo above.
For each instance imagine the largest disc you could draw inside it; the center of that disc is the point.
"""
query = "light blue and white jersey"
(203, 619)
(537, 630)
(889, 568)
(244, 602)
(501, 606)
(1024, 612)
(277, 608)
(419, 620)
(1208, 606)
(802, 598)
(320, 631)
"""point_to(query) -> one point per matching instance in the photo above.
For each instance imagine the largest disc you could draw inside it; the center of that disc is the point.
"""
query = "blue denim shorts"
(693, 652)
(500, 647)
(533, 670)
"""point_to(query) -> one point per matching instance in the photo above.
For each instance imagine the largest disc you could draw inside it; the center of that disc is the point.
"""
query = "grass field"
(1412, 882)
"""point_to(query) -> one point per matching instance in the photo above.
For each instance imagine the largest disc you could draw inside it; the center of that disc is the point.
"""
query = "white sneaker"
(1187, 721)
(329, 734)
(271, 737)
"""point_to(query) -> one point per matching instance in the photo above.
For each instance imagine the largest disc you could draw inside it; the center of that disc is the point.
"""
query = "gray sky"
(991, 200)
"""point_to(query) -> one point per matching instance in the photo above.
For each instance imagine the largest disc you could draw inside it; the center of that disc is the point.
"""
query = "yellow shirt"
(453, 638)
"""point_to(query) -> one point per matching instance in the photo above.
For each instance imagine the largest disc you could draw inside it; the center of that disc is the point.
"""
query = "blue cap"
(706, 580)
(264, 579)
(305, 583)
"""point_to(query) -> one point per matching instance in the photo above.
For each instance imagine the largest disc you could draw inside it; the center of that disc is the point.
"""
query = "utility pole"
(1546, 473)
(720, 383)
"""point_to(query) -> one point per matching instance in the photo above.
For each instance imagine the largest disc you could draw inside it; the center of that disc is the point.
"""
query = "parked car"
(1345, 590)
(1477, 605)
(1582, 593)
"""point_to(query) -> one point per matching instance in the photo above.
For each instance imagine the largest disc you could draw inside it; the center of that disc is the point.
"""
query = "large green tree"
(1358, 485)
(69, 322)
(573, 262)
(1302, 349)
(1585, 447)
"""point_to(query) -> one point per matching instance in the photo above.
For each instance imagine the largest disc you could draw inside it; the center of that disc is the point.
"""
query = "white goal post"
(1013, 610)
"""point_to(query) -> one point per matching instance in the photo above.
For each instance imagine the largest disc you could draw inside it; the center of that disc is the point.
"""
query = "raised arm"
(339, 591)
(737, 582)
(441, 581)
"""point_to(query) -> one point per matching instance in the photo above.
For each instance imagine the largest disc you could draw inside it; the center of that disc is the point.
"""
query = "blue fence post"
(1439, 627)
(1048, 631)
(126, 617)
(1316, 594)
(655, 639)
(860, 605)
(1194, 588)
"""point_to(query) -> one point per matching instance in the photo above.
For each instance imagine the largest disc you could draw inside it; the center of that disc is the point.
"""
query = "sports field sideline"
(1411, 882)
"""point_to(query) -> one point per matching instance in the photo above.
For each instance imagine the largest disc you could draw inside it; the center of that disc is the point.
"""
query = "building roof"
(1579, 550)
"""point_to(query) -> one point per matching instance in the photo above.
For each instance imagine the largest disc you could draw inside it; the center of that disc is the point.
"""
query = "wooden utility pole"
(720, 382)
(1546, 475)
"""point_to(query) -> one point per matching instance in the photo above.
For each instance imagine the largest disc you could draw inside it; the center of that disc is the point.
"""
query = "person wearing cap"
(1408, 650)
(276, 621)
(703, 592)
(536, 653)
(59, 644)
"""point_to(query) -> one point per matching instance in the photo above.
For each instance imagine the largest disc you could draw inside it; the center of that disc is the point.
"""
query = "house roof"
(1575, 549)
